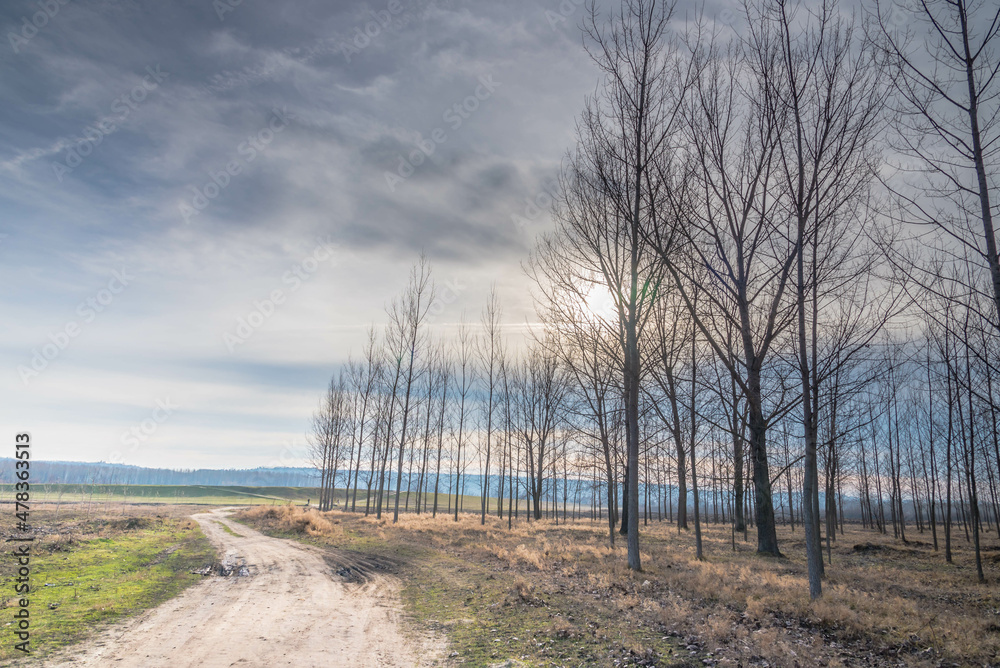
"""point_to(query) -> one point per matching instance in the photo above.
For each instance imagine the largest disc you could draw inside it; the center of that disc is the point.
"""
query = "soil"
(269, 602)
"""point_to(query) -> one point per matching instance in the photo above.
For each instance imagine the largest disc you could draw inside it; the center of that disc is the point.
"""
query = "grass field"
(114, 495)
(547, 595)
(541, 594)
(108, 496)
(86, 572)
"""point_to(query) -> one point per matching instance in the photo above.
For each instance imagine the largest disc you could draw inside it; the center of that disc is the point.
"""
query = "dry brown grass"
(893, 603)
(295, 520)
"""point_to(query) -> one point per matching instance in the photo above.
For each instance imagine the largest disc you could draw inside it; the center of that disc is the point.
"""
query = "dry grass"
(293, 519)
(886, 603)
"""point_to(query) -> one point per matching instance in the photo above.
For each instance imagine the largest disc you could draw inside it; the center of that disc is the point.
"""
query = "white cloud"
(322, 177)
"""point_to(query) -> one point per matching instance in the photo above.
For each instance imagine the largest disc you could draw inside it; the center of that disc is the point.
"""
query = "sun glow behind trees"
(726, 300)
(599, 305)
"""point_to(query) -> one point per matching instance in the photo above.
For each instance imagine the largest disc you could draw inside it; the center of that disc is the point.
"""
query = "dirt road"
(283, 605)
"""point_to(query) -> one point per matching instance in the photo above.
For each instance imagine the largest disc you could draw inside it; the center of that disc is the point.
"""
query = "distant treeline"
(580, 494)
(44, 472)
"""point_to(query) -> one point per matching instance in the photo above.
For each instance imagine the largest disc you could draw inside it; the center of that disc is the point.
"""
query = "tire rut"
(267, 602)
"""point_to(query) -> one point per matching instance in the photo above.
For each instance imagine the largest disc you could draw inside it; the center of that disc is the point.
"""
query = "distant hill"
(83, 473)
(104, 473)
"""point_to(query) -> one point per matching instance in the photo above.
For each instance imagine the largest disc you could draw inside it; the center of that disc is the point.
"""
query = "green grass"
(162, 494)
(109, 494)
(118, 568)
(225, 527)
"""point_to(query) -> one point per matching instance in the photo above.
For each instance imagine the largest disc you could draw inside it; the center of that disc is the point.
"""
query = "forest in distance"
(105, 473)
(565, 495)
(772, 283)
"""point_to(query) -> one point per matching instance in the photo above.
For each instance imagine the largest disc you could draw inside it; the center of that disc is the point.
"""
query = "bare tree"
(443, 371)
(540, 389)
(946, 61)
(491, 355)
(724, 237)
(668, 347)
(693, 435)
(364, 379)
(465, 380)
(406, 336)
(586, 339)
(329, 436)
(607, 189)
(373, 475)
(832, 96)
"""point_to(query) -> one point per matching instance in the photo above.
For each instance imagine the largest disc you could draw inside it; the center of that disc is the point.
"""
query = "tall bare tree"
(826, 85)
(465, 379)
(672, 332)
(330, 435)
(491, 353)
(444, 372)
(407, 315)
(608, 186)
(725, 238)
(365, 377)
(540, 389)
(946, 55)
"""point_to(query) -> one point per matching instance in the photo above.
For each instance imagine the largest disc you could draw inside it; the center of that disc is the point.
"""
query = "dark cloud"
(96, 167)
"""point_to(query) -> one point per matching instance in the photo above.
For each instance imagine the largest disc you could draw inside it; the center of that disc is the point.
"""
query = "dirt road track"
(291, 609)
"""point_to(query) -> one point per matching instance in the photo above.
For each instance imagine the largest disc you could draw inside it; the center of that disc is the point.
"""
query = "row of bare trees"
(746, 181)
(906, 427)
(773, 257)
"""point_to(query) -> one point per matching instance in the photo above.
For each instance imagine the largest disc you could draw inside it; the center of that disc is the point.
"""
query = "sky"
(203, 205)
